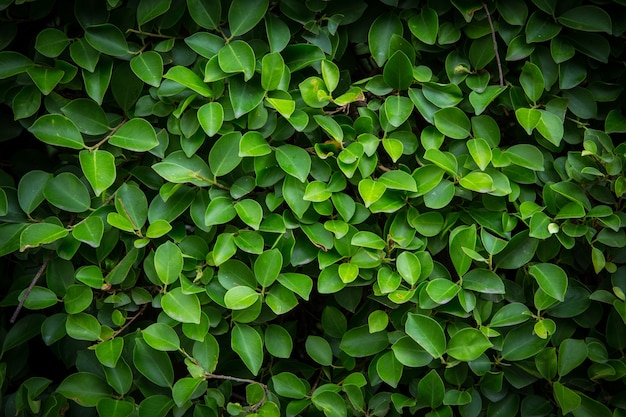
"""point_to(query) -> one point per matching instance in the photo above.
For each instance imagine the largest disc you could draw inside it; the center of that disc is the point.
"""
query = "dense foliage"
(339, 208)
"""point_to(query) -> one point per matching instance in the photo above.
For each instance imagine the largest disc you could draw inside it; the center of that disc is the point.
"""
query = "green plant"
(312, 207)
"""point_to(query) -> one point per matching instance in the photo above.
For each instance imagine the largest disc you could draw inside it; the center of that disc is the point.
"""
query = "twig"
(107, 137)
(495, 44)
(154, 35)
(253, 407)
(30, 288)
(129, 322)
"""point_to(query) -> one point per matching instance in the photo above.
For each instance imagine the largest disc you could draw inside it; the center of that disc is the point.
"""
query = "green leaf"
(521, 343)
(148, 10)
(288, 385)
(551, 127)
(245, 96)
(148, 67)
(358, 342)
(368, 240)
(480, 182)
(77, 298)
(99, 169)
(155, 365)
(532, 81)
(278, 34)
(51, 42)
(46, 79)
(330, 403)
(398, 71)
(26, 102)
(186, 77)
(238, 56)
(97, 81)
(206, 15)
(442, 95)
(240, 297)
(587, 18)
(551, 279)
(131, 203)
(409, 266)
(155, 406)
(371, 191)
(380, 32)
(39, 298)
(211, 117)
(40, 234)
(162, 337)
(272, 71)
(181, 307)
(13, 63)
(427, 333)
(480, 151)
(224, 155)
(85, 388)
(247, 343)
(243, 15)
(219, 211)
(294, 161)
(178, 168)
(278, 341)
(250, 212)
(330, 126)
(468, 344)
(319, 350)
(425, 25)
(567, 399)
(528, 118)
(518, 252)
(481, 100)
(57, 130)
(68, 193)
(168, 262)
(389, 369)
(185, 388)
(527, 156)
(483, 281)
(107, 38)
(267, 267)
(82, 326)
(398, 109)
(298, 283)
(87, 115)
(442, 290)
(452, 122)
(572, 353)
(109, 351)
(135, 135)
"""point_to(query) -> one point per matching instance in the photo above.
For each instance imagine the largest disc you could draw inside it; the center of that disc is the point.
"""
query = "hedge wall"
(320, 208)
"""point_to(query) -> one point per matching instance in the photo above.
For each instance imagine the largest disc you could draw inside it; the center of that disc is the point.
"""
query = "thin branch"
(107, 137)
(30, 288)
(129, 322)
(495, 44)
(253, 407)
(154, 35)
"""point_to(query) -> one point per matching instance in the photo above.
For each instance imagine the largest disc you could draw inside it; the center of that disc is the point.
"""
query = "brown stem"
(495, 44)
(107, 137)
(154, 35)
(247, 381)
(30, 288)
(129, 322)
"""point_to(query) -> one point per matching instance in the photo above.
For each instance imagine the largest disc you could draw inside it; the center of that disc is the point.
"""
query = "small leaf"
(240, 297)
(162, 337)
(99, 169)
(206, 15)
(85, 388)
(224, 154)
(168, 262)
(452, 122)
(294, 161)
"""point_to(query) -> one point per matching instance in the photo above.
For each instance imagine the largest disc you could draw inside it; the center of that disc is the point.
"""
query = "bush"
(312, 208)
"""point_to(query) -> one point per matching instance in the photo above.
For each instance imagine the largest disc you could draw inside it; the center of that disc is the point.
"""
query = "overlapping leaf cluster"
(368, 208)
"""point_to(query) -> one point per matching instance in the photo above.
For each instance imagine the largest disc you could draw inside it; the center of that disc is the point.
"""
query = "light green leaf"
(211, 117)
(57, 130)
(237, 56)
(240, 297)
(168, 262)
(425, 25)
(99, 169)
(452, 122)
(89, 231)
(468, 344)
(67, 192)
(135, 135)
(162, 337)
(380, 33)
(188, 78)
(272, 70)
(148, 67)
(181, 307)
(294, 160)
(224, 155)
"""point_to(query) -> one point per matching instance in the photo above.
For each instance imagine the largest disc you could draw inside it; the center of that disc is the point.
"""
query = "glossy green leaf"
(247, 343)
(586, 18)
(294, 161)
(188, 78)
(13, 63)
(148, 67)
(181, 307)
(206, 15)
(389, 369)
(107, 38)
(468, 344)
(452, 122)
(425, 25)
(567, 399)
(58, 130)
(99, 169)
(224, 155)
(135, 135)
(398, 71)
(168, 262)
(288, 385)
(51, 42)
(237, 56)
(480, 151)
(532, 81)
(521, 343)
(551, 279)
(67, 192)
(245, 96)
(162, 337)
(398, 109)
(380, 33)
(427, 333)
(85, 388)
(148, 10)
(82, 326)
(154, 364)
(243, 15)
(358, 342)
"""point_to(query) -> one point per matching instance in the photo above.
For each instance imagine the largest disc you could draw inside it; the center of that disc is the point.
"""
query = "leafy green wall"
(339, 208)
